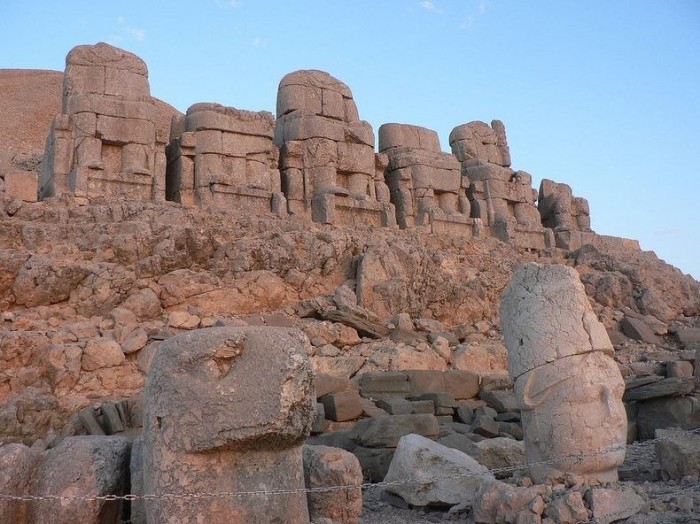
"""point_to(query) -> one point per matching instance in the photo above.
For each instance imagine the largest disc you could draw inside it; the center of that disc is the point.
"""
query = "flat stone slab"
(385, 432)
(668, 387)
(611, 505)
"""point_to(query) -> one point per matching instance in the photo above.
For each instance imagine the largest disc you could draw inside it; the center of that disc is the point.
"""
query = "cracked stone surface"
(566, 382)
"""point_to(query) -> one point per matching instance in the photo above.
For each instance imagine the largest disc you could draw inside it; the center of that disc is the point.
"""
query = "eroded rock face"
(228, 407)
(568, 386)
(432, 474)
(327, 467)
(425, 183)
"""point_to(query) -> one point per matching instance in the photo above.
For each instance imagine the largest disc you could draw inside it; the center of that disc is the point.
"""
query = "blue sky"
(603, 95)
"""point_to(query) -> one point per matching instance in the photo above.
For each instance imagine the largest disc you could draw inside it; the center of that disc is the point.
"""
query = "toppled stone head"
(231, 388)
(567, 384)
(227, 409)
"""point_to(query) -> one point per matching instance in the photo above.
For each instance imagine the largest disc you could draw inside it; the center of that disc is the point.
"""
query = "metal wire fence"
(571, 459)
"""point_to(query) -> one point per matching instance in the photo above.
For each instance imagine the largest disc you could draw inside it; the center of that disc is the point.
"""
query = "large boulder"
(80, 468)
(426, 473)
(678, 453)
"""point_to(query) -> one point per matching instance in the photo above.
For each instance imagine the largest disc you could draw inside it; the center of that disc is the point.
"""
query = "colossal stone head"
(568, 386)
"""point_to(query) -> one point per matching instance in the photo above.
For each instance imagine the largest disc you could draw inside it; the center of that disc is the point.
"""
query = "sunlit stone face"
(566, 381)
(573, 416)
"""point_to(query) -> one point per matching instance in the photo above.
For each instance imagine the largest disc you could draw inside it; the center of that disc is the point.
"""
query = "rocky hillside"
(88, 290)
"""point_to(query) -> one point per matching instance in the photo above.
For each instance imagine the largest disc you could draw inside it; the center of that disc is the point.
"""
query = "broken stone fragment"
(432, 474)
(327, 467)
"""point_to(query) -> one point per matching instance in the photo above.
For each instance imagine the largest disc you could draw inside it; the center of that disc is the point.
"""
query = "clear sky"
(603, 95)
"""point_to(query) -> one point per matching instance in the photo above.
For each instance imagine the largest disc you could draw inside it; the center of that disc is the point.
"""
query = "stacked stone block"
(327, 160)
(567, 215)
(104, 143)
(425, 183)
(222, 157)
(502, 198)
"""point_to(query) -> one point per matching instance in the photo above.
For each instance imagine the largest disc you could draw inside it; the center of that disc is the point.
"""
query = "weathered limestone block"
(387, 431)
(403, 135)
(227, 409)
(325, 466)
(500, 452)
(327, 160)
(22, 185)
(502, 198)
(425, 184)
(560, 210)
(477, 140)
(223, 157)
(567, 384)
(499, 502)
(18, 466)
(82, 467)
(104, 144)
(342, 405)
(567, 508)
(613, 504)
(433, 474)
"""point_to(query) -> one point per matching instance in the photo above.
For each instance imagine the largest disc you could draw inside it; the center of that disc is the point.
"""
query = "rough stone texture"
(222, 157)
(327, 162)
(500, 452)
(667, 387)
(567, 509)
(667, 412)
(81, 467)
(499, 503)
(611, 505)
(387, 431)
(18, 466)
(423, 462)
(679, 369)
(532, 301)
(568, 387)
(426, 185)
(138, 507)
(89, 261)
(342, 406)
(501, 198)
(560, 210)
(31, 99)
(224, 406)
(325, 466)
(104, 142)
(636, 329)
(678, 453)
